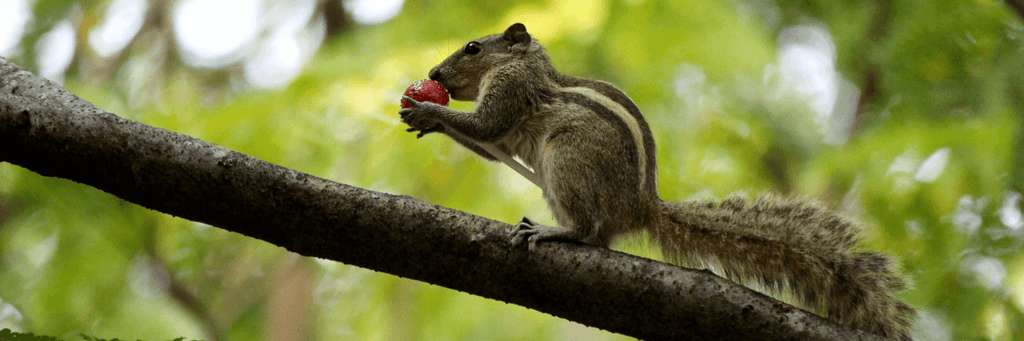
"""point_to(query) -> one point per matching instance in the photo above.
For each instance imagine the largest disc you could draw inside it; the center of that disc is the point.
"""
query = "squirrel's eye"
(472, 48)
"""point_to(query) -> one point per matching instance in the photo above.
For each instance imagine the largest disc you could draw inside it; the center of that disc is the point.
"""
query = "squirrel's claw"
(435, 128)
(412, 102)
(425, 131)
(533, 232)
(405, 113)
(416, 117)
(525, 229)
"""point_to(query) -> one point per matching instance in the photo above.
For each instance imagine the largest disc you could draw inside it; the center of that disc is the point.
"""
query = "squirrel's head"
(463, 71)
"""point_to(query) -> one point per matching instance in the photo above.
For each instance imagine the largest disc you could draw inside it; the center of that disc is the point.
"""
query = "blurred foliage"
(940, 87)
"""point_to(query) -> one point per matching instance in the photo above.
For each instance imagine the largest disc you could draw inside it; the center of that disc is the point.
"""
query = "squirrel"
(593, 156)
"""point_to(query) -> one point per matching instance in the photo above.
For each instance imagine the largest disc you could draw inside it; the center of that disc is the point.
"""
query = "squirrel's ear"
(517, 34)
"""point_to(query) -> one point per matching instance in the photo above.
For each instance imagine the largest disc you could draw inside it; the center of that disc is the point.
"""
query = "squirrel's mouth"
(448, 89)
(439, 77)
(455, 93)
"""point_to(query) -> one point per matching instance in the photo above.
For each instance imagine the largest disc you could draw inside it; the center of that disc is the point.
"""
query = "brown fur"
(789, 245)
(594, 157)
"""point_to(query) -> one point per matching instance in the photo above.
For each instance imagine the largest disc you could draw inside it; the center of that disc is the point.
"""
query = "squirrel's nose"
(434, 74)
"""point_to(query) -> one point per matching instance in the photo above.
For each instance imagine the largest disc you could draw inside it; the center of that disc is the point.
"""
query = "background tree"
(905, 115)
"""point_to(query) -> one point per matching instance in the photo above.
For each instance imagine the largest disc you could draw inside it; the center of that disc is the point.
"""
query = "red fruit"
(426, 90)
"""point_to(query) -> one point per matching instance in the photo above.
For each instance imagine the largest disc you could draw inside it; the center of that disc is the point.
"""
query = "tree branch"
(54, 133)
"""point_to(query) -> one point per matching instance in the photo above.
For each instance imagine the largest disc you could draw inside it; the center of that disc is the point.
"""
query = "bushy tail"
(794, 246)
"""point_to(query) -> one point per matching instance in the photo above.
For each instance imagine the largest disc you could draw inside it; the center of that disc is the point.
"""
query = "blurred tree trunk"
(1016, 96)
(1017, 6)
(337, 20)
(871, 96)
(289, 310)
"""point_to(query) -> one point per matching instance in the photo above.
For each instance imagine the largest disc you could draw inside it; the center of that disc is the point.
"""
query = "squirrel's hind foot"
(533, 232)
(525, 229)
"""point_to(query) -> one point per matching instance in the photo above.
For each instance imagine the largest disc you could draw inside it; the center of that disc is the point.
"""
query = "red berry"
(426, 90)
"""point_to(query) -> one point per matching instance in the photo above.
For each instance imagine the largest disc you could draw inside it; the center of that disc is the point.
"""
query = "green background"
(936, 78)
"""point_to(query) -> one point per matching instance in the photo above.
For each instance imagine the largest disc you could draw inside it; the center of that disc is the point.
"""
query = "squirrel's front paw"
(419, 117)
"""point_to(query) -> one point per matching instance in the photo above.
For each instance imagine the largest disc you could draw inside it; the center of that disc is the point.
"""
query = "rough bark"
(54, 133)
